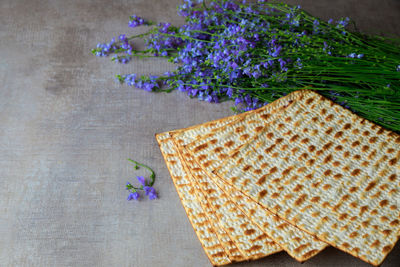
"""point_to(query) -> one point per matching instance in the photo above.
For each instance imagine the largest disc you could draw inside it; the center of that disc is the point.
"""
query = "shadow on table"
(329, 257)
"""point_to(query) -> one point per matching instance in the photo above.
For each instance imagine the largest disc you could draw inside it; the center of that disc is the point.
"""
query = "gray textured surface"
(66, 129)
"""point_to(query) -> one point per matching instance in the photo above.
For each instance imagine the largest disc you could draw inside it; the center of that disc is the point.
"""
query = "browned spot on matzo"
(329, 131)
(386, 249)
(294, 138)
(355, 143)
(365, 148)
(373, 139)
(241, 129)
(244, 137)
(249, 232)
(328, 158)
(315, 199)
(265, 116)
(392, 161)
(347, 126)
(365, 133)
(259, 129)
(200, 147)
(392, 177)
(329, 117)
(300, 200)
(327, 146)
(370, 186)
(356, 172)
(262, 193)
(387, 232)
(338, 148)
(229, 143)
(269, 149)
(376, 243)
(384, 203)
(338, 134)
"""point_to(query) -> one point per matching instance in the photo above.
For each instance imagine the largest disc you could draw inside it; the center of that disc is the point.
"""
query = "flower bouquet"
(254, 53)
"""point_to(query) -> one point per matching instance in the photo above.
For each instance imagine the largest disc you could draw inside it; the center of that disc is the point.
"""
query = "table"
(67, 128)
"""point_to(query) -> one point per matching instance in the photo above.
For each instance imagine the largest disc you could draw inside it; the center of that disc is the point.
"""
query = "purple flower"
(238, 100)
(277, 51)
(122, 37)
(229, 92)
(141, 180)
(151, 192)
(153, 195)
(104, 50)
(343, 22)
(133, 195)
(136, 21)
(316, 26)
(234, 65)
(164, 27)
(282, 63)
(130, 79)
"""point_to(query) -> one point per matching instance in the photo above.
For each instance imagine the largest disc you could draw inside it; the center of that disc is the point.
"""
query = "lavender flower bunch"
(254, 53)
(145, 186)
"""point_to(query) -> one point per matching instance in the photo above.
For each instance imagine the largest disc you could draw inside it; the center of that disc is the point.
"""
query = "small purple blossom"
(141, 180)
(355, 55)
(135, 21)
(133, 195)
(150, 191)
(277, 51)
(343, 22)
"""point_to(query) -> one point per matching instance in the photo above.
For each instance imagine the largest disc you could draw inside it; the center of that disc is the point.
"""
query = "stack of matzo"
(295, 175)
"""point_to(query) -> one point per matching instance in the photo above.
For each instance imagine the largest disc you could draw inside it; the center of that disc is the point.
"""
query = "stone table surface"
(66, 129)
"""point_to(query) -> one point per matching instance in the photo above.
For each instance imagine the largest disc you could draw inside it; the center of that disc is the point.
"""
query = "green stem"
(152, 175)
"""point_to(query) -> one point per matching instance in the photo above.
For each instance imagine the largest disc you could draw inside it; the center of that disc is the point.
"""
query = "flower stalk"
(145, 186)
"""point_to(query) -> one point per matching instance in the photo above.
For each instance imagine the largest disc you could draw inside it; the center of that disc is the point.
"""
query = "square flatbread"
(316, 165)
(219, 245)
